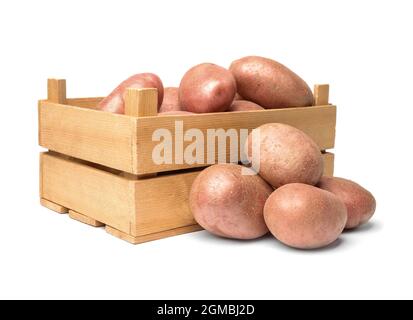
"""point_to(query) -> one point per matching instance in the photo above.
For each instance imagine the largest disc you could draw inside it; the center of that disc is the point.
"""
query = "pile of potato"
(289, 196)
(251, 83)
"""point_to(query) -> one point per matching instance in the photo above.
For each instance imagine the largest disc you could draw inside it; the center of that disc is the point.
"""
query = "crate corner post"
(56, 90)
(141, 103)
(321, 94)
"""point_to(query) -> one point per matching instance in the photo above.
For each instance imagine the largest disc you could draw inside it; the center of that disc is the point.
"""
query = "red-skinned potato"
(229, 204)
(270, 84)
(174, 113)
(305, 217)
(170, 100)
(286, 155)
(244, 105)
(115, 101)
(207, 88)
(238, 97)
(360, 203)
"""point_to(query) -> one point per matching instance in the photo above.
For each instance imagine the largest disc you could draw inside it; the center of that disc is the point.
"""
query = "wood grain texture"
(56, 90)
(136, 207)
(317, 121)
(328, 164)
(125, 143)
(98, 194)
(53, 206)
(321, 93)
(90, 103)
(153, 236)
(85, 219)
(141, 102)
(101, 137)
(162, 202)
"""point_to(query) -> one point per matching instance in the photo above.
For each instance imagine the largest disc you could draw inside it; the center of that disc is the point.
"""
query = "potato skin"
(238, 97)
(360, 203)
(115, 102)
(174, 113)
(229, 204)
(270, 84)
(244, 105)
(207, 88)
(287, 155)
(305, 217)
(170, 100)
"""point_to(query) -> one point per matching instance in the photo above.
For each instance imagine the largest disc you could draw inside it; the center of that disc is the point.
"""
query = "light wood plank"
(56, 90)
(328, 164)
(85, 219)
(321, 92)
(101, 137)
(98, 194)
(317, 121)
(154, 236)
(53, 206)
(162, 202)
(90, 103)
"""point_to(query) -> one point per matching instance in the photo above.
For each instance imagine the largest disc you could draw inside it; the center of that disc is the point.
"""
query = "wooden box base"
(135, 210)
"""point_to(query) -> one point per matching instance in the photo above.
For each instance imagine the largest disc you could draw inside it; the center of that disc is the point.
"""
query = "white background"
(361, 48)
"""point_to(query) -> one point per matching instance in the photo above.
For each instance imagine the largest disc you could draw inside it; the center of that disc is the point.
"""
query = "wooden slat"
(98, 194)
(53, 206)
(317, 121)
(90, 103)
(328, 164)
(162, 202)
(153, 236)
(321, 92)
(101, 137)
(85, 219)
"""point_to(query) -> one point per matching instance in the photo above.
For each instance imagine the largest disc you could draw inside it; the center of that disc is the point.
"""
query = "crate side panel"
(91, 103)
(162, 203)
(95, 193)
(100, 137)
(317, 121)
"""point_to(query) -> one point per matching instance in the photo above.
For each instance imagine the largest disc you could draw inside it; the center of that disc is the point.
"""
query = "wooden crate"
(99, 167)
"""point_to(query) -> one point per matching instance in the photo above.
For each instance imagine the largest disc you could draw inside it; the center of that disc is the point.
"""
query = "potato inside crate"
(91, 152)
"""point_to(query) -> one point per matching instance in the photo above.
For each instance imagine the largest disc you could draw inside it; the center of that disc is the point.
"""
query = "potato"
(170, 100)
(270, 84)
(305, 217)
(360, 203)
(174, 113)
(229, 204)
(244, 105)
(115, 102)
(207, 88)
(238, 96)
(286, 155)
